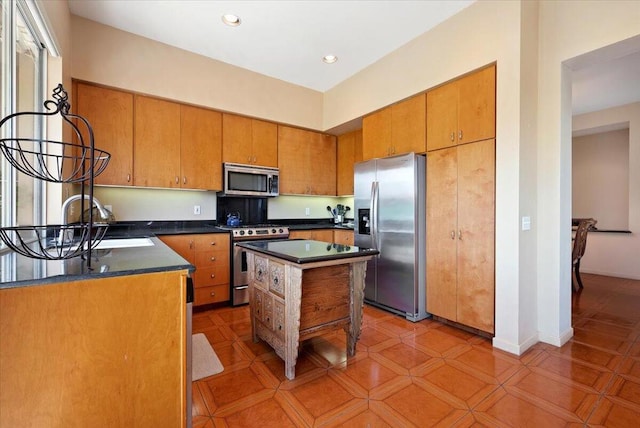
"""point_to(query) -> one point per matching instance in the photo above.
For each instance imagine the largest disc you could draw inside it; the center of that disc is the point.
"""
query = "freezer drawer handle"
(242, 287)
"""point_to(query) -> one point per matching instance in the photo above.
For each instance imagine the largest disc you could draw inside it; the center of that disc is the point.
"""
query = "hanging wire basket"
(63, 162)
(58, 162)
(53, 242)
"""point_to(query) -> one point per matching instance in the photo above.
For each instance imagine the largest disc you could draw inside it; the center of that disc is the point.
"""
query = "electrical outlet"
(196, 209)
(307, 211)
(526, 223)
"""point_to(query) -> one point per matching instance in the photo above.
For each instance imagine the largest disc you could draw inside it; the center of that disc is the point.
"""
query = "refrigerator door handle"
(374, 215)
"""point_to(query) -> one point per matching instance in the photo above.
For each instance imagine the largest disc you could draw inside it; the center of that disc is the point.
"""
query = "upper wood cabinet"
(307, 162)
(110, 113)
(249, 141)
(156, 157)
(460, 234)
(349, 153)
(176, 146)
(200, 148)
(462, 111)
(397, 129)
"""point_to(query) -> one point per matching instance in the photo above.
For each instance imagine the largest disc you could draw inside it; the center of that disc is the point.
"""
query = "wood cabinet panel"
(344, 237)
(307, 162)
(476, 202)
(200, 148)
(462, 111)
(324, 235)
(156, 160)
(460, 234)
(477, 106)
(442, 190)
(397, 129)
(94, 355)
(349, 152)
(110, 113)
(265, 143)
(442, 117)
(408, 125)
(376, 134)
(249, 141)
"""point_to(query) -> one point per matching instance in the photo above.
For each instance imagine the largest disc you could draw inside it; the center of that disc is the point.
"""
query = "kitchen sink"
(124, 243)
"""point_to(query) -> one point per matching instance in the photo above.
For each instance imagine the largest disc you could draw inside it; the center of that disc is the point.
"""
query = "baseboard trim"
(513, 348)
(557, 340)
(613, 274)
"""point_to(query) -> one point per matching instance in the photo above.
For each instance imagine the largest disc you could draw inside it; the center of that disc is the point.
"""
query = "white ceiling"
(287, 39)
(281, 39)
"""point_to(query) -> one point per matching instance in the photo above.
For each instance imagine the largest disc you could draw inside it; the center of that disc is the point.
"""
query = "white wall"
(568, 31)
(610, 253)
(600, 178)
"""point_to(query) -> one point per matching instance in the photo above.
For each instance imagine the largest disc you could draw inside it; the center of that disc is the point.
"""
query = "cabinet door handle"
(213, 243)
(460, 234)
(177, 180)
(213, 275)
(275, 280)
(453, 234)
(191, 245)
(213, 259)
(128, 178)
(453, 136)
(184, 180)
(460, 135)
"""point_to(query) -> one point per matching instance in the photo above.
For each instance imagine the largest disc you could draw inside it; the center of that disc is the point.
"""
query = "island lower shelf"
(291, 302)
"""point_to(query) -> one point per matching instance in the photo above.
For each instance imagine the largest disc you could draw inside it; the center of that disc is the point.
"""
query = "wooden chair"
(579, 246)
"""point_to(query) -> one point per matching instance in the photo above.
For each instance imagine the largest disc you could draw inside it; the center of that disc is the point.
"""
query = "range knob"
(281, 231)
(273, 231)
(241, 232)
(250, 232)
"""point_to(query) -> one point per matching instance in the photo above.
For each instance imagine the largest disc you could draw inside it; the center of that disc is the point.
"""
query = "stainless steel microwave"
(247, 180)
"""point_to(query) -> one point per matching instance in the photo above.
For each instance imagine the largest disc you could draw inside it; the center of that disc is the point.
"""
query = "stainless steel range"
(240, 276)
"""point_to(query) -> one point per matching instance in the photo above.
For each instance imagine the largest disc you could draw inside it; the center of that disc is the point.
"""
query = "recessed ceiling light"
(231, 20)
(329, 59)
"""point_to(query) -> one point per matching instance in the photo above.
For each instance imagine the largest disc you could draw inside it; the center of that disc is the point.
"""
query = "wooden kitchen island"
(299, 289)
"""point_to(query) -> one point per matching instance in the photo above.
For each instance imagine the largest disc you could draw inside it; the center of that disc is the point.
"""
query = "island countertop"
(306, 251)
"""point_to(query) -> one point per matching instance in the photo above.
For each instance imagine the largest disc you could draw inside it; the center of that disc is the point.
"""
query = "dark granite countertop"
(24, 271)
(20, 271)
(305, 251)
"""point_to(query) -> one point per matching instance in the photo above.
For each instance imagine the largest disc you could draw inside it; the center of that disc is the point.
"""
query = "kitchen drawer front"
(267, 304)
(214, 294)
(276, 278)
(278, 318)
(206, 259)
(181, 244)
(211, 276)
(261, 271)
(211, 241)
(257, 303)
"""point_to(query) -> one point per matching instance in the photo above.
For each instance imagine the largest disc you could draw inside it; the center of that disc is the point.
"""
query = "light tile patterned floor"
(428, 374)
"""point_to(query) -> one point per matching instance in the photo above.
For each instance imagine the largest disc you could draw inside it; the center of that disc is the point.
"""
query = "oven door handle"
(242, 287)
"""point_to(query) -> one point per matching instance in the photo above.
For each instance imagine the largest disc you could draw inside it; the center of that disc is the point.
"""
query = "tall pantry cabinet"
(461, 213)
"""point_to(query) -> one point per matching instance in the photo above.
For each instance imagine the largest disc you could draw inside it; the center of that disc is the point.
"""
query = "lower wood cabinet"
(210, 254)
(100, 352)
(324, 235)
(460, 234)
(344, 237)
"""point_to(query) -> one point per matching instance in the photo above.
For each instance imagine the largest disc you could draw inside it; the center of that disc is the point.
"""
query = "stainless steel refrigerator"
(389, 199)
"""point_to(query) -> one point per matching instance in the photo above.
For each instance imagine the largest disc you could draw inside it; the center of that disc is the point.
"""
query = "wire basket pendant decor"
(56, 162)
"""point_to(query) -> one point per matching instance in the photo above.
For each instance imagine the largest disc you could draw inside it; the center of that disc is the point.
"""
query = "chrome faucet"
(68, 236)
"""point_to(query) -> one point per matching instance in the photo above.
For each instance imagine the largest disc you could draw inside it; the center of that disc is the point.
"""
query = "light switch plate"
(196, 209)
